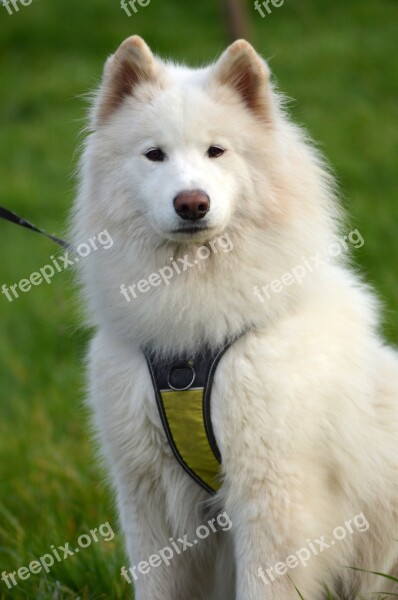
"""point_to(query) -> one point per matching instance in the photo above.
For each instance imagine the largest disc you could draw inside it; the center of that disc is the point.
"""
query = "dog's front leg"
(144, 472)
(164, 562)
(155, 569)
(259, 536)
(261, 497)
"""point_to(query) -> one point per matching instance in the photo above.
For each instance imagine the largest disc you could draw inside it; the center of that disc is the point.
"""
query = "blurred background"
(335, 60)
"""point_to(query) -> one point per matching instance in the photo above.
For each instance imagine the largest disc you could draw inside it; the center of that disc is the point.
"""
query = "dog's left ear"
(241, 68)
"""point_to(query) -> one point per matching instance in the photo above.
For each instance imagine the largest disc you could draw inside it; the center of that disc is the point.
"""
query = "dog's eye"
(215, 151)
(155, 155)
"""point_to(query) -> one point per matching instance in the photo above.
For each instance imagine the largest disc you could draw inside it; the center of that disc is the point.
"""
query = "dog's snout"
(192, 205)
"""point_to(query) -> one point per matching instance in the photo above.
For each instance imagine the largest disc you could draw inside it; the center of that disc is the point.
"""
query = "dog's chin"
(192, 233)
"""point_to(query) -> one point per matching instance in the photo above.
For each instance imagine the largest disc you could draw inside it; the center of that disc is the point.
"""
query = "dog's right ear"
(133, 63)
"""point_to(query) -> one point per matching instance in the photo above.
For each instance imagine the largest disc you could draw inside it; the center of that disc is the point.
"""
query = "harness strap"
(7, 215)
(182, 388)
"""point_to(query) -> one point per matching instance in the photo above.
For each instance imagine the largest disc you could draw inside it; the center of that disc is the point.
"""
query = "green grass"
(376, 594)
(335, 59)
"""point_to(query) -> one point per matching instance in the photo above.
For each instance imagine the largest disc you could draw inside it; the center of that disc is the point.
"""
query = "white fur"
(304, 406)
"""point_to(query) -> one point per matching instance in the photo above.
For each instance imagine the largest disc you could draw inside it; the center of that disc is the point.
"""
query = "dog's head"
(178, 157)
(178, 146)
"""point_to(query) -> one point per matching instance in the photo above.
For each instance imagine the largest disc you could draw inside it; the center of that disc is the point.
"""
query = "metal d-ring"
(184, 388)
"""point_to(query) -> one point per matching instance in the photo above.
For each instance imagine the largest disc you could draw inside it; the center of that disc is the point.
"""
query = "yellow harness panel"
(182, 384)
(184, 414)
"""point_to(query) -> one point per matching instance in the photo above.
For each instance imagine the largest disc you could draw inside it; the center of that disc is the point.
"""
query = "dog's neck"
(204, 303)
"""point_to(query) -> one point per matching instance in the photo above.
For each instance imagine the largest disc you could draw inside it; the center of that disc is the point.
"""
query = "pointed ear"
(241, 68)
(133, 63)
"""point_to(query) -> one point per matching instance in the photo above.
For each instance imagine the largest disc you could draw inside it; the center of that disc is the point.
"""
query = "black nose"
(192, 205)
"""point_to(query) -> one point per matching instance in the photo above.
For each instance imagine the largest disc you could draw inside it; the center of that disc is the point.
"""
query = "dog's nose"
(192, 205)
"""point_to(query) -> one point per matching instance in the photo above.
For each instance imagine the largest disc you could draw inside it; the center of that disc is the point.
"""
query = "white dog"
(181, 164)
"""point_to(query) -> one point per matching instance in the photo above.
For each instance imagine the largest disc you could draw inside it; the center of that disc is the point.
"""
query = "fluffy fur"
(304, 406)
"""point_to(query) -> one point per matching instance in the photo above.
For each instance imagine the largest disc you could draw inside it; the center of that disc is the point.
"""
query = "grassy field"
(337, 60)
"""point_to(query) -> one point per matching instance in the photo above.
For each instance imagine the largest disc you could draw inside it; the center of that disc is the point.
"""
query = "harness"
(182, 386)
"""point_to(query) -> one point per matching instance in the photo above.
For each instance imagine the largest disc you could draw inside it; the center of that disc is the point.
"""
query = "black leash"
(7, 215)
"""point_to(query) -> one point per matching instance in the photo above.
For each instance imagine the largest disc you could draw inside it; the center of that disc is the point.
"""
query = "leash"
(12, 217)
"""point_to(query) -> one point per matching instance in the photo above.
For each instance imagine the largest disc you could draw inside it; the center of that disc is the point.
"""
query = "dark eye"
(155, 154)
(215, 151)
